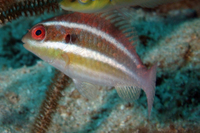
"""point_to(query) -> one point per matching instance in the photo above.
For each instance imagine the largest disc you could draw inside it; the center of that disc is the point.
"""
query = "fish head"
(85, 6)
(47, 42)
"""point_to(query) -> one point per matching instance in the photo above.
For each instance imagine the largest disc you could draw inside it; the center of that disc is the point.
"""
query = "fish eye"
(38, 32)
(83, 1)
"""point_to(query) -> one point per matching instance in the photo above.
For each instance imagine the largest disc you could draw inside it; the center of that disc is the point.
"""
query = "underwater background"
(168, 35)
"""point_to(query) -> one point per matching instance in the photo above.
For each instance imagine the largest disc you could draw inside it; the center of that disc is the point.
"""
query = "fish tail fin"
(149, 86)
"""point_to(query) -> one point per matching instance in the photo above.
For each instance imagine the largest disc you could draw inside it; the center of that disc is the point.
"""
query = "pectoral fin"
(86, 89)
(128, 93)
(65, 58)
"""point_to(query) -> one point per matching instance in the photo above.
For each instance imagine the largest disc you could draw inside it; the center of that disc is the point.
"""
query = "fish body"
(92, 6)
(94, 50)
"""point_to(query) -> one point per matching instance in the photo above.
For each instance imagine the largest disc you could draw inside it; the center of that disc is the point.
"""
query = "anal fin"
(86, 89)
(128, 93)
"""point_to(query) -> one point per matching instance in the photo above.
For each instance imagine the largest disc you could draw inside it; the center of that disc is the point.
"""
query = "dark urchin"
(12, 9)
(50, 103)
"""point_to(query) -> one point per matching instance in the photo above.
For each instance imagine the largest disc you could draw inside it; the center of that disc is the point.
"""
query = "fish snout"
(24, 39)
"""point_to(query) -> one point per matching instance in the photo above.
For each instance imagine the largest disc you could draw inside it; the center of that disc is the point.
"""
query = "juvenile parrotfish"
(91, 6)
(94, 50)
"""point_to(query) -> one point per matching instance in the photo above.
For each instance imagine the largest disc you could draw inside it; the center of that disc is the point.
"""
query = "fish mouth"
(24, 39)
(25, 45)
(25, 42)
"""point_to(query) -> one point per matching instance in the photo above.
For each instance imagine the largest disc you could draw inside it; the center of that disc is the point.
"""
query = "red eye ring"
(38, 32)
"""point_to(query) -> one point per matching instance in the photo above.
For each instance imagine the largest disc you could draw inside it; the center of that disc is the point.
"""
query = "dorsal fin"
(123, 23)
(121, 19)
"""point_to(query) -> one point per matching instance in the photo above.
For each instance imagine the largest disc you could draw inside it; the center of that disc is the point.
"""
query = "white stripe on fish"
(95, 31)
(86, 53)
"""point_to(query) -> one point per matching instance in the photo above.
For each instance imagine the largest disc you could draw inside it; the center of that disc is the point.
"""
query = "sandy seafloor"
(172, 40)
